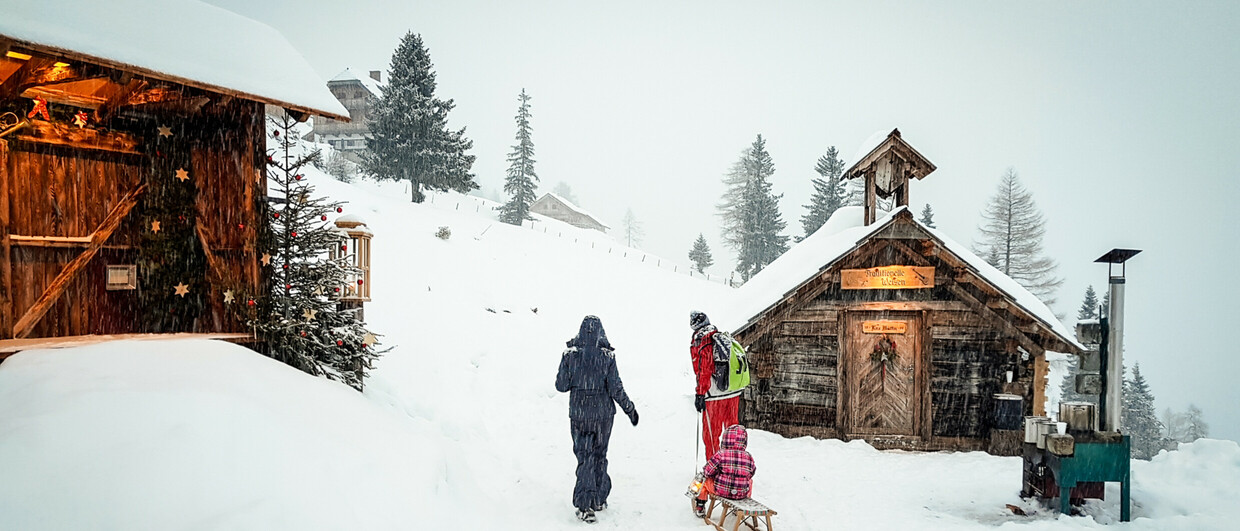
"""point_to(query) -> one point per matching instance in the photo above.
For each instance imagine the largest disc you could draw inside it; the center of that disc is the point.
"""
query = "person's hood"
(735, 438)
(591, 334)
(697, 320)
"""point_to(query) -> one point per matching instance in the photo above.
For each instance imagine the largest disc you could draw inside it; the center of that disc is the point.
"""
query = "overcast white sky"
(1123, 118)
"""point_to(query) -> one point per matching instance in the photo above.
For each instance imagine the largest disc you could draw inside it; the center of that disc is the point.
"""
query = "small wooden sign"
(888, 277)
(884, 327)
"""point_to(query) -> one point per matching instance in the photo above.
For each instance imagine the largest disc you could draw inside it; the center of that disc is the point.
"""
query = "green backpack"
(731, 366)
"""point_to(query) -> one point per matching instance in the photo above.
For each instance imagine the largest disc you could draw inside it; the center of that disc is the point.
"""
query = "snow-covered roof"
(183, 41)
(576, 209)
(371, 85)
(871, 142)
(839, 236)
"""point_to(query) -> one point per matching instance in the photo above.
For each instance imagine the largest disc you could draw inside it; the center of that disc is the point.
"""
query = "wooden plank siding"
(59, 194)
(968, 337)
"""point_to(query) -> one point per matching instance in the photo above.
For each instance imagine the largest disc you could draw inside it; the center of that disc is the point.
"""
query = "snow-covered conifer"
(1011, 239)
(927, 216)
(829, 191)
(1139, 418)
(752, 222)
(299, 320)
(521, 175)
(633, 232)
(700, 254)
(410, 139)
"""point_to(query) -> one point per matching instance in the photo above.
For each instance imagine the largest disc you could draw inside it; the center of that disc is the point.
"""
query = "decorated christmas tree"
(300, 319)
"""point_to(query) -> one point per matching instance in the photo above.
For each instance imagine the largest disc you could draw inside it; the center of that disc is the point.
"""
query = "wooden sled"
(746, 511)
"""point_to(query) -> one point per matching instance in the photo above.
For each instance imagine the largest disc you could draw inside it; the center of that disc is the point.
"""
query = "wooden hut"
(889, 331)
(127, 138)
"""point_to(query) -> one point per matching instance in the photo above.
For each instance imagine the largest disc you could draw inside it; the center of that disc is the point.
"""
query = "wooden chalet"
(96, 118)
(889, 331)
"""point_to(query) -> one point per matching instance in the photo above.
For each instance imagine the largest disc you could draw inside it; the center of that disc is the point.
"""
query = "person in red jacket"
(718, 406)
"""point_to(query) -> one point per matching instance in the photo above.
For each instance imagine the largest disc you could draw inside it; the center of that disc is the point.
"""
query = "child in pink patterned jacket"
(729, 473)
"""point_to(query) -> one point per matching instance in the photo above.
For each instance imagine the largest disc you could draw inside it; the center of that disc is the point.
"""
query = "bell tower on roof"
(887, 170)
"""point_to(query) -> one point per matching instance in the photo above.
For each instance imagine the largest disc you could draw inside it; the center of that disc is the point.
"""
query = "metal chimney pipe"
(1113, 340)
(1115, 356)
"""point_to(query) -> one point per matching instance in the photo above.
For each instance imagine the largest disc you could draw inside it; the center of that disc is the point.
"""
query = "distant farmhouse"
(556, 207)
(355, 93)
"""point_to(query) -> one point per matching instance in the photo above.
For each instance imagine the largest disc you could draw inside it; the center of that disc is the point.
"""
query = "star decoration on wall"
(308, 314)
(266, 259)
(318, 290)
(40, 109)
(155, 226)
(165, 131)
(79, 119)
(369, 339)
(182, 175)
(181, 289)
(228, 297)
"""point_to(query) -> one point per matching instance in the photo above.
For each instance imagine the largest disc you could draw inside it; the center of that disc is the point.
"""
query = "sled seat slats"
(744, 511)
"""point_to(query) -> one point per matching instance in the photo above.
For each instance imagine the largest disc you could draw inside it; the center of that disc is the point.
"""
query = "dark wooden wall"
(48, 190)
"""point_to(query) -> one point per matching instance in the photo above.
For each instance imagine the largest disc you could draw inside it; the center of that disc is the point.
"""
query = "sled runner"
(746, 511)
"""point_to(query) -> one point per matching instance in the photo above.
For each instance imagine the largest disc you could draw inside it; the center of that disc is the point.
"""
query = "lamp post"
(1112, 348)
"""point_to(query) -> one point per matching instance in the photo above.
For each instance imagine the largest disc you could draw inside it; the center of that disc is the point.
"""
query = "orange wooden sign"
(884, 327)
(888, 277)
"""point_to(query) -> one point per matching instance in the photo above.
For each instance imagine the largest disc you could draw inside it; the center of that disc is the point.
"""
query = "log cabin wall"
(65, 192)
(796, 361)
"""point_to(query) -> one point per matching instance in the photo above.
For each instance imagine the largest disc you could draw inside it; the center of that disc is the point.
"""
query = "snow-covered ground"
(460, 426)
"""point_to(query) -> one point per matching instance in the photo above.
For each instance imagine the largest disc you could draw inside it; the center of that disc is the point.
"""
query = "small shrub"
(443, 233)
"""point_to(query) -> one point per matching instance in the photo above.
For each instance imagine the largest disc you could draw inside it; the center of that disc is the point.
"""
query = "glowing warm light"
(18, 55)
(59, 64)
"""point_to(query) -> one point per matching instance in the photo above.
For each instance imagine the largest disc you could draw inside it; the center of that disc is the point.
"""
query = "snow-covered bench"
(746, 511)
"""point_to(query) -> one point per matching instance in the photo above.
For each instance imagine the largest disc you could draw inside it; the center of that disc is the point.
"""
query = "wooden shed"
(132, 164)
(889, 331)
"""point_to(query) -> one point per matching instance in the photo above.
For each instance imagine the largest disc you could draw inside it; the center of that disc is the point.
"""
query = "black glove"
(699, 403)
(633, 416)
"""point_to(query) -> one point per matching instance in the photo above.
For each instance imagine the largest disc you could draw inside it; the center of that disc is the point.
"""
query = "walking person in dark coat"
(588, 372)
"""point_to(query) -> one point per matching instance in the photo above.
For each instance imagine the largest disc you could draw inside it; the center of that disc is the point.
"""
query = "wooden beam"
(6, 249)
(213, 261)
(12, 86)
(1008, 328)
(120, 97)
(25, 325)
(43, 132)
(1041, 368)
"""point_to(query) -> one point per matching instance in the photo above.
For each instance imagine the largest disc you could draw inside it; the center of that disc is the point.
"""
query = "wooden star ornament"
(266, 259)
(228, 297)
(155, 226)
(181, 289)
(165, 131)
(369, 339)
(308, 314)
(182, 175)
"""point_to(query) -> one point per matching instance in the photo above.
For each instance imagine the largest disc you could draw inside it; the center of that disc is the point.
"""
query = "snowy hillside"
(460, 426)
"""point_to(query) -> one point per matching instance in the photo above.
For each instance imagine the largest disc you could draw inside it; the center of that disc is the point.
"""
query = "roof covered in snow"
(349, 75)
(183, 41)
(573, 207)
(839, 236)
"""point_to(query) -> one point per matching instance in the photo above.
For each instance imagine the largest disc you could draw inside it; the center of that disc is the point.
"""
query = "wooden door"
(883, 373)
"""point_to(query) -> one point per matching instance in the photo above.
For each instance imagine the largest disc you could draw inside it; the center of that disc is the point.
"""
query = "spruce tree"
(521, 176)
(927, 216)
(1089, 306)
(299, 319)
(1011, 237)
(829, 191)
(410, 139)
(700, 254)
(758, 237)
(1139, 419)
(633, 232)
(1195, 426)
(565, 191)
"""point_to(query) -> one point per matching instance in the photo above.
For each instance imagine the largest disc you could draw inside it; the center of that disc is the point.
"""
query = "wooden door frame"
(921, 371)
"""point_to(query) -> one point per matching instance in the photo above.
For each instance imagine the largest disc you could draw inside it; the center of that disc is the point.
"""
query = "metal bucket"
(1008, 410)
(1031, 428)
(1045, 428)
(1082, 417)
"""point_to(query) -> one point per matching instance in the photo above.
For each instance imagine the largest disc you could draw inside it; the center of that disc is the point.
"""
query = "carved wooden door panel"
(883, 364)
